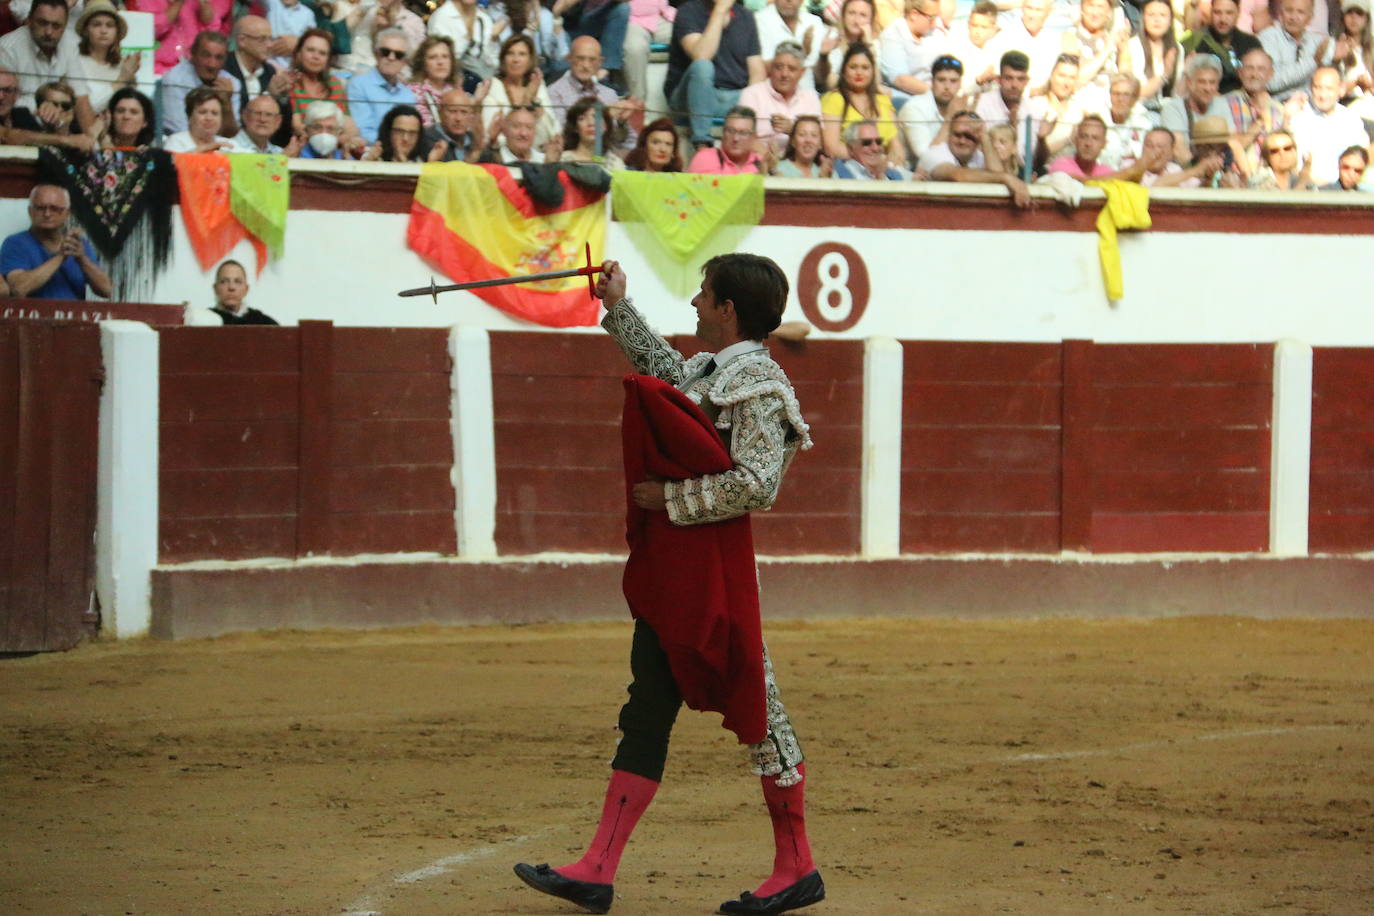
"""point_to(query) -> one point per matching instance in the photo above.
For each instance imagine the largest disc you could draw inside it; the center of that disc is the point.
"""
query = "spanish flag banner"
(478, 223)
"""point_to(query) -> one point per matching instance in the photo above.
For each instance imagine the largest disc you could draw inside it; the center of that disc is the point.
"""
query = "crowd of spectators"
(999, 91)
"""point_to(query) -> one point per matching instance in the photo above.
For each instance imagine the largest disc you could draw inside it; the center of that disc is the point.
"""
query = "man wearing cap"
(908, 46)
(1324, 127)
(1253, 111)
(1201, 101)
(1295, 50)
(924, 118)
(1210, 143)
(1222, 38)
(778, 100)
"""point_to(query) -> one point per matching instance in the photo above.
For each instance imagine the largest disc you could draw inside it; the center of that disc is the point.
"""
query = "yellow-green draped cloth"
(689, 218)
(259, 196)
(1127, 207)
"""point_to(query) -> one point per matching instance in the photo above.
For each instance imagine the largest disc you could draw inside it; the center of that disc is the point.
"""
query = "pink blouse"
(174, 37)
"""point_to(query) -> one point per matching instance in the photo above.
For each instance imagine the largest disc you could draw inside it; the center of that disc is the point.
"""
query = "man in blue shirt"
(372, 93)
(46, 261)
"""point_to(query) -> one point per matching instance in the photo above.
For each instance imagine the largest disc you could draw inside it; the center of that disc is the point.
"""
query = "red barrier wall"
(284, 442)
(1341, 518)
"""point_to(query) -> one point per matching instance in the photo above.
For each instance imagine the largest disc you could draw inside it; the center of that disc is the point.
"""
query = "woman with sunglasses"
(434, 67)
(55, 106)
(855, 99)
(803, 157)
(1280, 171)
(517, 83)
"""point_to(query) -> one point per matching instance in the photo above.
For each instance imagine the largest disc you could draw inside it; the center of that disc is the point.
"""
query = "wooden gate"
(50, 376)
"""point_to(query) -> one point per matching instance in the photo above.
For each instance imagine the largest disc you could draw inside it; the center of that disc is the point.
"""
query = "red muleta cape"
(694, 584)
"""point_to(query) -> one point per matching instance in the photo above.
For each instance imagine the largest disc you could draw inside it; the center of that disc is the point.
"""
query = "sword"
(588, 271)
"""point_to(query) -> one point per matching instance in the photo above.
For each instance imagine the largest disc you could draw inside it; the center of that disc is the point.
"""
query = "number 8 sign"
(832, 284)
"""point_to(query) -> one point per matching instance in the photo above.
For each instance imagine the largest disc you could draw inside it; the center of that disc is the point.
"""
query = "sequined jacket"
(750, 401)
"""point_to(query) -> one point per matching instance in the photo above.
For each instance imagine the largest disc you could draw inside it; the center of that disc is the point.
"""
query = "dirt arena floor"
(1198, 765)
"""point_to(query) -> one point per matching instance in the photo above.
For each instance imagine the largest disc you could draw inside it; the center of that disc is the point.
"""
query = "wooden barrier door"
(50, 376)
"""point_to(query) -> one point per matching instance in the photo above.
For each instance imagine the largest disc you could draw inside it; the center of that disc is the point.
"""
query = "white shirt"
(941, 155)
(1325, 137)
(976, 60)
(1294, 60)
(1124, 141)
(993, 110)
(773, 32)
(902, 54)
(476, 52)
(920, 119)
(1042, 49)
(20, 56)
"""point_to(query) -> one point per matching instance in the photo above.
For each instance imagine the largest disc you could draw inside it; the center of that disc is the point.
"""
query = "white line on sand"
(1147, 745)
(367, 904)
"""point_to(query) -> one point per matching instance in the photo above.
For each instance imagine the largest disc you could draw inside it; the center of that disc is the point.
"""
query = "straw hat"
(1356, 5)
(1211, 129)
(95, 7)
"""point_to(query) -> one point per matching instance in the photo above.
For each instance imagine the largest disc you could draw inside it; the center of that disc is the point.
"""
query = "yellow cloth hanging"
(1127, 207)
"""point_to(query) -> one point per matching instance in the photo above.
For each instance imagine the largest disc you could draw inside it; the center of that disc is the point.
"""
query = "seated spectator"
(1156, 58)
(40, 52)
(531, 18)
(231, 287)
(866, 158)
(1280, 170)
(364, 19)
(456, 136)
(924, 118)
(1253, 112)
(204, 115)
(1100, 44)
(474, 39)
(249, 64)
(512, 137)
(289, 19)
(1210, 141)
(1089, 137)
(1127, 121)
(1295, 49)
(56, 110)
(260, 119)
(1156, 166)
(1001, 151)
(518, 83)
(46, 261)
(398, 137)
(324, 128)
(311, 79)
(857, 99)
(908, 46)
(204, 68)
(803, 156)
(781, 98)
(1324, 128)
(585, 135)
(130, 120)
(1220, 37)
(20, 127)
(1353, 163)
(1034, 37)
(736, 153)
(1200, 101)
(176, 26)
(855, 27)
(714, 55)
(651, 23)
(787, 22)
(373, 94)
(1058, 111)
(434, 71)
(656, 150)
(1353, 55)
(960, 159)
(103, 69)
(1003, 105)
(974, 45)
(605, 20)
(579, 82)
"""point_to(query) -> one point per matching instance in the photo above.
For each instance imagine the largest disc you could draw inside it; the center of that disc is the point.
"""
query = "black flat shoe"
(594, 898)
(805, 892)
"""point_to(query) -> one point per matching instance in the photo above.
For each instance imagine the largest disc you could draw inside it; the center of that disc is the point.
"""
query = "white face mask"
(324, 143)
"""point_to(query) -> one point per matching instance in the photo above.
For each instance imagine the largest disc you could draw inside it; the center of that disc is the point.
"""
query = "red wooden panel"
(1343, 491)
(1177, 364)
(950, 532)
(188, 398)
(1170, 406)
(1342, 450)
(1338, 407)
(391, 350)
(236, 350)
(979, 404)
(812, 360)
(557, 444)
(1180, 449)
(778, 534)
(392, 395)
(536, 532)
(228, 444)
(374, 442)
(227, 492)
(560, 489)
(1181, 492)
(183, 539)
(575, 355)
(1340, 532)
(838, 448)
(1229, 532)
(1008, 492)
(1076, 468)
(393, 532)
(830, 402)
(957, 361)
(9, 459)
(28, 574)
(316, 438)
(397, 488)
(808, 489)
(537, 398)
(980, 447)
(1342, 367)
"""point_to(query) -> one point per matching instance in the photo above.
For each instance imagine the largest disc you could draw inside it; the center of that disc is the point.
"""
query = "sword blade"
(501, 281)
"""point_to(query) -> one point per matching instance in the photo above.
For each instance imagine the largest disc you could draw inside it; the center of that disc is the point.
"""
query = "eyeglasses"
(964, 135)
(1281, 149)
(869, 141)
(65, 106)
(405, 131)
(246, 37)
(392, 53)
(47, 208)
(738, 132)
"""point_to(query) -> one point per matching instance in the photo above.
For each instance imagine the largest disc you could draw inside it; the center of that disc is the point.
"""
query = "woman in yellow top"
(857, 98)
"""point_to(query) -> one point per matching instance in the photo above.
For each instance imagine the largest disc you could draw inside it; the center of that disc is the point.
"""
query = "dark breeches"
(646, 719)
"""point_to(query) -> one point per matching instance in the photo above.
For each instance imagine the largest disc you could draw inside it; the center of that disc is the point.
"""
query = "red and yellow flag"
(478, 223)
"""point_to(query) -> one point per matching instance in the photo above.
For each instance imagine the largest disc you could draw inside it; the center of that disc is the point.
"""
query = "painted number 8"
(833, 298)
(832, 285)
